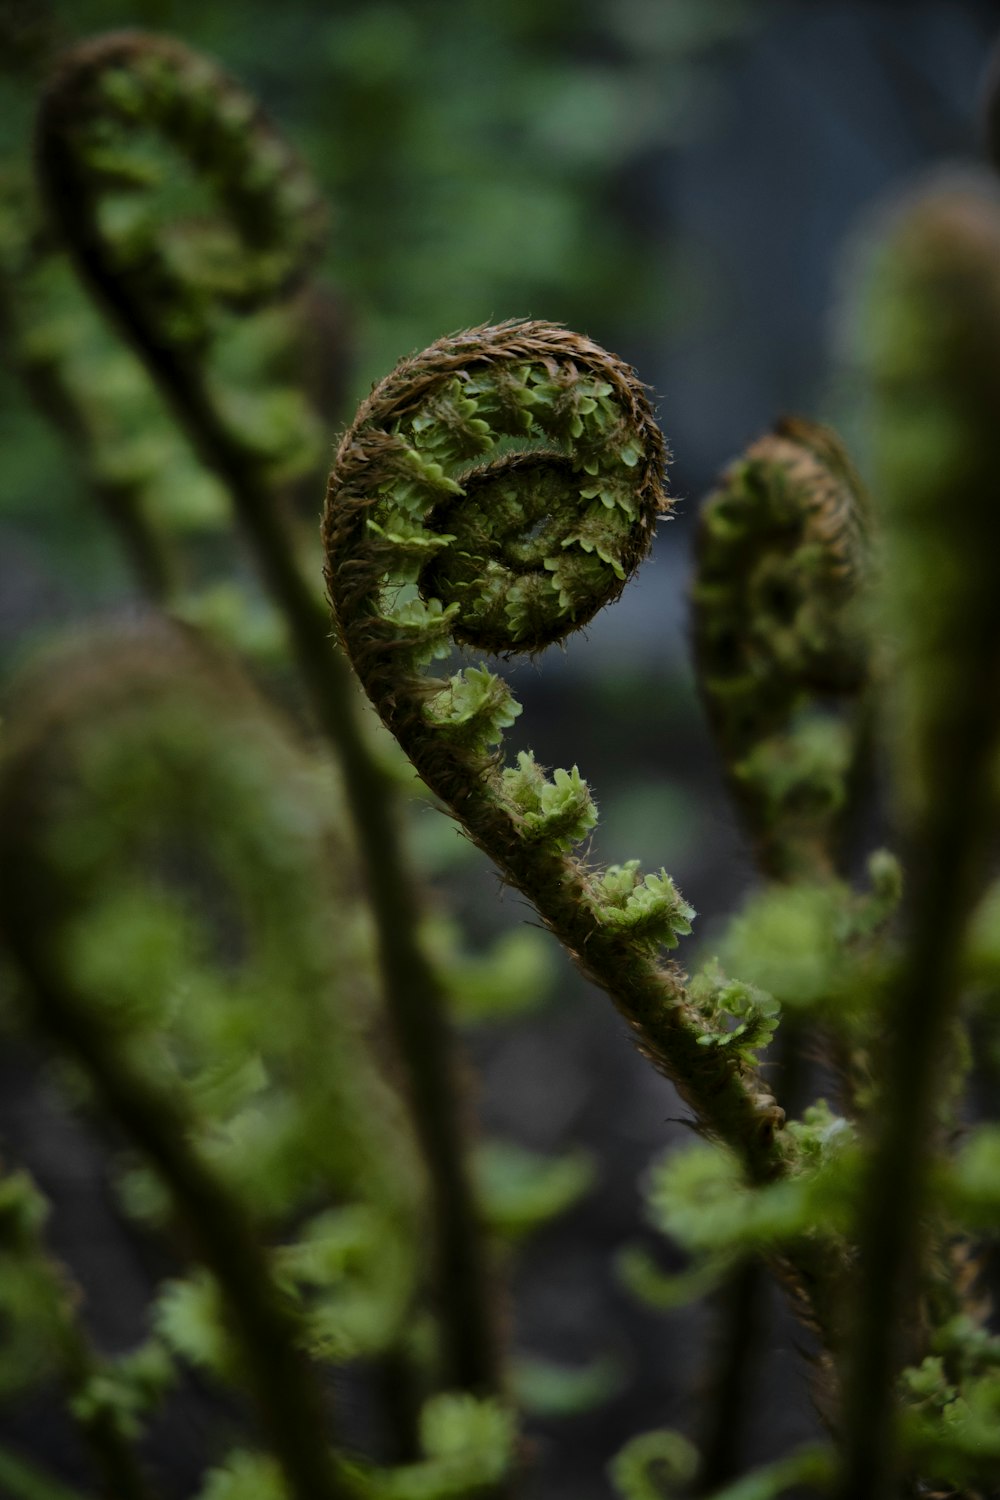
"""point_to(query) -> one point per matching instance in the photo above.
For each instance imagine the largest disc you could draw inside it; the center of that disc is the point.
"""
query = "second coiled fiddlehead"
(499, 488)
(782, 561)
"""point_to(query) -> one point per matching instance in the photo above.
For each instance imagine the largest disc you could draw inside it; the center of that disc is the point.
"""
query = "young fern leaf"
(653, 1466)
(436, 497)
(782, 556)
(183, 210)
(156, 269)
(782, 559)
(160, 501)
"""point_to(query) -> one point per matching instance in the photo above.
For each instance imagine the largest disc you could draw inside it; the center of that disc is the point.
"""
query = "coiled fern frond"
(783, 558)
(498, 489)
(110, 109)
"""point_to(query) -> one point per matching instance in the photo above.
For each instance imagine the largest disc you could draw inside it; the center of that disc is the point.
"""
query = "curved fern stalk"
(169, 514)
(434, 532)
(166, 286)
(782, 557)
(929, 340)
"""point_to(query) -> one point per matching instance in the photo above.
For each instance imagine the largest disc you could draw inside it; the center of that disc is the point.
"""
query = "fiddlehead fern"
(109, 110)
(544, 537)
(155, 268)
(164, 859)
(183, 209)
(507, 555)
(782, 559)
(424, 541)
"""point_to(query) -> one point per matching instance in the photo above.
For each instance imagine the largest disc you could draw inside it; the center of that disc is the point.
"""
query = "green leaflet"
(245, 1476)
(189, 1318)
(653, 1466)
(698, 1196)
(812, 1467)
(968, 1184)
(642, 1277)
(352, 1277)
(469, 1447)
(128, 1390)
(560, 812)
(474, 707)
(520, 1191)
(739, 1016)
(649, 908)
(545, 1389)
(658, 1465)
(515, 976)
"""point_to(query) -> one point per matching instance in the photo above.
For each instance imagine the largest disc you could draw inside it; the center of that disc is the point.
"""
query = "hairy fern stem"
(497, 490)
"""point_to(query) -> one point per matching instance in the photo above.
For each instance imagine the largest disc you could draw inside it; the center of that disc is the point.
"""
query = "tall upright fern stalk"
(208, 909)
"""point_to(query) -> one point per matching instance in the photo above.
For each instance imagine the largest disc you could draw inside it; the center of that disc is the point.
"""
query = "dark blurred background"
(680, 179)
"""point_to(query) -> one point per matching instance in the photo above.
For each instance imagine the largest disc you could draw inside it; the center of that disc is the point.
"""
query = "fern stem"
(918, 1022)
(413, 992)
(401, 485)
(510, 554)
(931, 348)
(142, 549)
